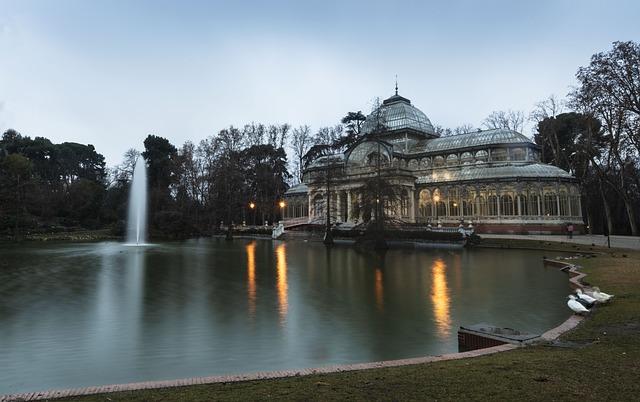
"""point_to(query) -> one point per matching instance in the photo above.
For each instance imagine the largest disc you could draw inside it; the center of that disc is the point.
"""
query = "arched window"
(564, 204)
(535, 156)
(467, 207)
(413, 164)
(551, 204)
(424, 203)
(524, 205)
(492, 202)
(372, 159)
(454, 208)
(506, 205)
(466, 158)
(498, 155)
(438, 161)
(518, 154)
(318, 205)
(442, 208)
(533, 207)
(426, 162)
(404, 203)
(575, 205)
(481, 206)
(452, 160)
(482, 156)
(426, 210)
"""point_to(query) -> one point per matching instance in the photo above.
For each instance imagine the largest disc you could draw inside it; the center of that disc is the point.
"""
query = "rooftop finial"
(396, 84)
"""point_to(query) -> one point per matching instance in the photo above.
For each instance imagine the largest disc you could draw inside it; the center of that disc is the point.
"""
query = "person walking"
(570, 230)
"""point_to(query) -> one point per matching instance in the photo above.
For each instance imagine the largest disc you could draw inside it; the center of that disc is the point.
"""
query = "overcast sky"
(110, 72)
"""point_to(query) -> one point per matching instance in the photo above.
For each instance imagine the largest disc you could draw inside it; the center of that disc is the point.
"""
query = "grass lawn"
(599, 360)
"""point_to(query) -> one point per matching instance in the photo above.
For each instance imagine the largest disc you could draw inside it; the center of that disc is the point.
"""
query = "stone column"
(541, 203)
(310, 208)
(349, 207)
(412, 205)
(519, 205)
(558, 202)
(579, 206)
(446, 206)
(338, 207)
(569, 202)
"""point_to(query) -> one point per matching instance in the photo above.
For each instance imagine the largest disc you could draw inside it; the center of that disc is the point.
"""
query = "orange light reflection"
(281, 265)
(379, 290)
(251, 277)
(440, 298)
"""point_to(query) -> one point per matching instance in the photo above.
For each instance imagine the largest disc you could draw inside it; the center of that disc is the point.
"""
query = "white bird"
(585, 296)
(601, 297)
(576, 306)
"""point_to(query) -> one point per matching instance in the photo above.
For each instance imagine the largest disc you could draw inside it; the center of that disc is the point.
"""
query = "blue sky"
(110, 72)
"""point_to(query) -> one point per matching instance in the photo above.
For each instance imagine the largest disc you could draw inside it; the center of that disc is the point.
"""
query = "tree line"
(238, 175)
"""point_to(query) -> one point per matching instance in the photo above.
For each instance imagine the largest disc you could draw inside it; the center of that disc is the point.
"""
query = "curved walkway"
(628, 242)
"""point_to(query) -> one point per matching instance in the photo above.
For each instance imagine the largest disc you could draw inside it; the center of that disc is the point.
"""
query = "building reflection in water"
(281, 266)
(440, 298)
(251, 277)
(379, 290)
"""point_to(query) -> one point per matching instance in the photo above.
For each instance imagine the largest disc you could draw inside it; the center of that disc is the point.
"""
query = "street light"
(282, 205)
(436, 198)
(252, 206)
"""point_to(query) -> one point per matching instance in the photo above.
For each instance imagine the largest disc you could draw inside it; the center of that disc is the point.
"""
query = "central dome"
(397, 114)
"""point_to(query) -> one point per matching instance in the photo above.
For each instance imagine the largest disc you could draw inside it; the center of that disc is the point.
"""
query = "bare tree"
(548, 107)
(465, 128)
(442, 131)
(301, 142)
(124, 171)
(509, 120)
(253, 134)
(328, 135)
(610, 90)
(277, 134)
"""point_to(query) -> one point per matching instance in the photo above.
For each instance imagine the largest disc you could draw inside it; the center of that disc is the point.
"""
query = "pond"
(76, 315)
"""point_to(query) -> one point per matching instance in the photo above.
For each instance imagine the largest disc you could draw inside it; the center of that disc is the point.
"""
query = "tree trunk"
(607, 211)
(628, 204)
(587, 204)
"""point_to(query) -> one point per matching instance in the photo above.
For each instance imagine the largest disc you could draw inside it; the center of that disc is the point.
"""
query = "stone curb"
(36, 396)
(552, 334)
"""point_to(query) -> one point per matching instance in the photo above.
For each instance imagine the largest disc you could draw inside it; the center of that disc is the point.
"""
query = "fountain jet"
(137, 219)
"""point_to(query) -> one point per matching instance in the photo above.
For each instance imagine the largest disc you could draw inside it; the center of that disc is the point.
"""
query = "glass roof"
(469, 140)
(397, 113)
(475, 172)
(323, 160)
(299, 188)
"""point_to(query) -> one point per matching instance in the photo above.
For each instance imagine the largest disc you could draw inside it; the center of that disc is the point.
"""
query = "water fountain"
(137, 218)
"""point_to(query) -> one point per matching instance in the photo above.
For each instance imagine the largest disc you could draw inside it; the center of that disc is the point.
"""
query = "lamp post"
(252, 206)
(436, 198)
(282, 205)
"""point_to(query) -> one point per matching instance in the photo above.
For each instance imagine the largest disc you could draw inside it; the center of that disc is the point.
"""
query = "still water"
(90, 314)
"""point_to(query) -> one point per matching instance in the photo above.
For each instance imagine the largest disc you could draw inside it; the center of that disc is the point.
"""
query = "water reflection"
(379, 290)
(251, 277)
(79, 315)
(281, 265)
(440, 298)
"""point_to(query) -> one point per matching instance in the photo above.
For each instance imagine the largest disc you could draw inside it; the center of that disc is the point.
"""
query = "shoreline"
(552, 334)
